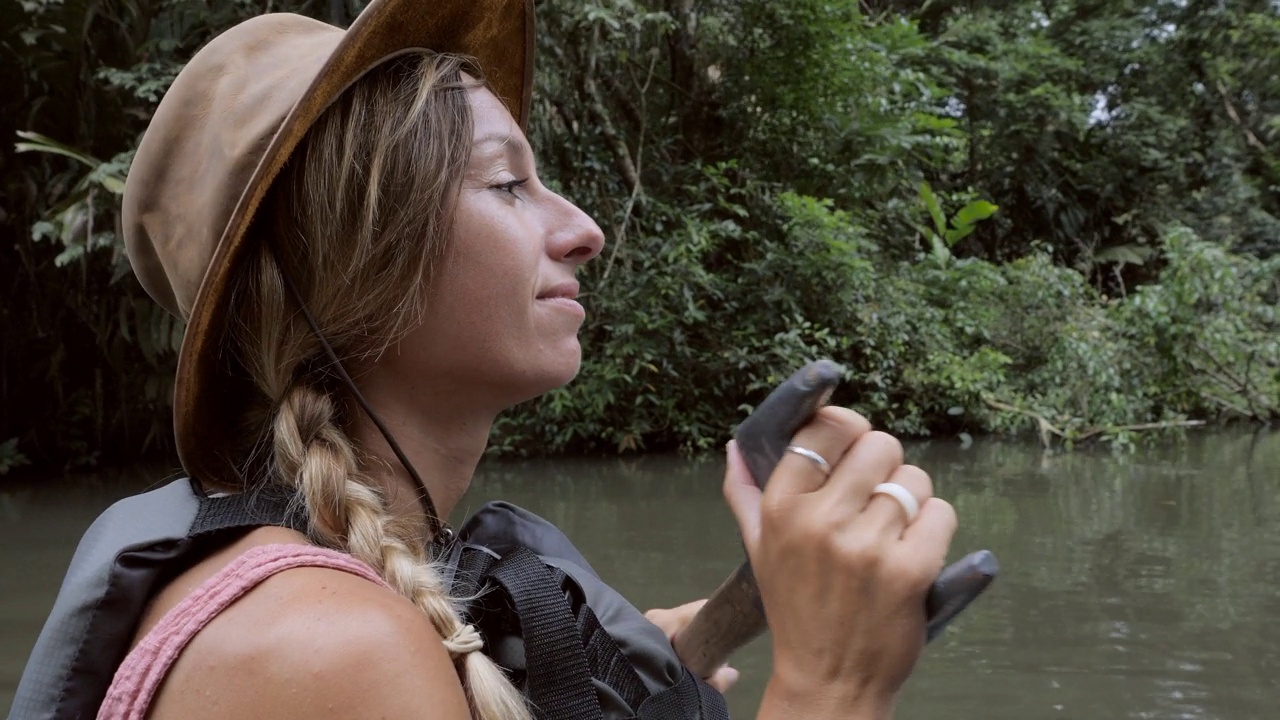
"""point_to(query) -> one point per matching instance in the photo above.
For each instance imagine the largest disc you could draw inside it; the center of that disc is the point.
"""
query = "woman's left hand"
(673, 620)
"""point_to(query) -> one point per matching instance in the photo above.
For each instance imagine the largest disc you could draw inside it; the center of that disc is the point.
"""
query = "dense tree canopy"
(1050, 215)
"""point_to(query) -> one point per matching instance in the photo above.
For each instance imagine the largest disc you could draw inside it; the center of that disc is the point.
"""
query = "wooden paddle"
(734, 614)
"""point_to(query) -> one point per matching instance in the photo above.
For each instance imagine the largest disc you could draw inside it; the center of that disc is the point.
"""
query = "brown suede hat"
(221, 135)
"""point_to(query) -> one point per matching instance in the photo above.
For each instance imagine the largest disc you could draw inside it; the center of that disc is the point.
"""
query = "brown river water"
(1142, 585)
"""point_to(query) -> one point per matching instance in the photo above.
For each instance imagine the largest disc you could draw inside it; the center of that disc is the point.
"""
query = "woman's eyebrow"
(507, 141)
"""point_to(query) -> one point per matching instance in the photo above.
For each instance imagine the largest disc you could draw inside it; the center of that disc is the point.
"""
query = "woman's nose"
(576, 238)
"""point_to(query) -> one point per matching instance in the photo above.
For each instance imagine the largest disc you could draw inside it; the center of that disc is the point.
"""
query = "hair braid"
(351, 515)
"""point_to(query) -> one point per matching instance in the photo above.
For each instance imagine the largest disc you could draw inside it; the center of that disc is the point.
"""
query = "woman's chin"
(548, 376)
(567, 369)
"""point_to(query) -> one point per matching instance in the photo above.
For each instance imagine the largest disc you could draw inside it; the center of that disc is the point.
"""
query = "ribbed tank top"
(144, 668)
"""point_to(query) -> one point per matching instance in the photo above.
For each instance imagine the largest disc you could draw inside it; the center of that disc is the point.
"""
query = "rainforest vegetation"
(1054, 217)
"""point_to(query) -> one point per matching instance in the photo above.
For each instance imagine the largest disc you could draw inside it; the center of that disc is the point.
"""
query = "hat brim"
(207, 401)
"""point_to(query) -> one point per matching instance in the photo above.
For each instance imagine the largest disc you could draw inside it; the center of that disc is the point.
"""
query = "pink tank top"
(144, 668)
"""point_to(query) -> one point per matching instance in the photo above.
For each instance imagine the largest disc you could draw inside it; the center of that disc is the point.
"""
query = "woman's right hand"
(842, 574)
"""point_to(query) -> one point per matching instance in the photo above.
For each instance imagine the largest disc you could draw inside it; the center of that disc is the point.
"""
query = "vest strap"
(607, 661)
(689, 692)
(559, 677)
(272, 505)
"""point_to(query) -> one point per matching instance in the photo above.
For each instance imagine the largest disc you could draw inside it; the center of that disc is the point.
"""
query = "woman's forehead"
(491, 118)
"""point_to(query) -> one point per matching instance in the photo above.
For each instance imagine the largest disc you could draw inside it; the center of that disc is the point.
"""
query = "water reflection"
(1133, 586)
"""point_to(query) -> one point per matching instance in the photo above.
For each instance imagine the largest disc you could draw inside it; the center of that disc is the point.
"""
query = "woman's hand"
(842, 573)
(675, 619)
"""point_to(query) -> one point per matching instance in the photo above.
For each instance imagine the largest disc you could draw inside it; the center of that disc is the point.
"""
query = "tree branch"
(1226, 404)
(620, 231)
(1235, 118)
(1168, 424)
(595, 105)
(1047, 428)
(1233, 382)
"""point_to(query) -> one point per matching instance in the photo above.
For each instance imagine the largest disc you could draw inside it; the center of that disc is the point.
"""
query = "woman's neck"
(444, 450)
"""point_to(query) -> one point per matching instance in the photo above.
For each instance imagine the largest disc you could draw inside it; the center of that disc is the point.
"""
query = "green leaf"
(113, 184)
(40, 143)
(10, 456)
(44, 230)
(941, 254)
(956, 234)
(974, 212)
(931, 204)
(68, 256)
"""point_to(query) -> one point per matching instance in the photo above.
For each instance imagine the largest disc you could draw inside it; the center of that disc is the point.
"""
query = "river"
(1143, 585)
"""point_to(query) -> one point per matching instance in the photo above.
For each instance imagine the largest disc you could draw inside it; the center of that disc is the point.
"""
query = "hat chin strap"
(440, 533)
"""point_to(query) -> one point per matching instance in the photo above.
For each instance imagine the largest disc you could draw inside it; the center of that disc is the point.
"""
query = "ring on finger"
(909, 504)
(812, 457)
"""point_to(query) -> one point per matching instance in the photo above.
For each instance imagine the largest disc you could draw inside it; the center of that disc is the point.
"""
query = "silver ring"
(812, 457)
(904, 497)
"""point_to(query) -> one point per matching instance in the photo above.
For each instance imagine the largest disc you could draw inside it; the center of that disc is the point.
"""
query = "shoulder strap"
(608, 663)
(272, 505)
(645, 680)
(604, 659)
(678, 700)
(559, 677)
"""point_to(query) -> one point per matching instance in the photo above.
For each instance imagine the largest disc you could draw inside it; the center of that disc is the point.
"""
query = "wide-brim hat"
(221, 135)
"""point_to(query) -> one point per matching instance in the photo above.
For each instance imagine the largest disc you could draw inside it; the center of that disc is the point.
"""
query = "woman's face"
(502, 314)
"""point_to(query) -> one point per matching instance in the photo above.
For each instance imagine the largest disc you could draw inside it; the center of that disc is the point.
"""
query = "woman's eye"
(511, 185)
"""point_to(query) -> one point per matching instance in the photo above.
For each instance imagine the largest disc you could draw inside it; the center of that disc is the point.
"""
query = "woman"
(353, 227)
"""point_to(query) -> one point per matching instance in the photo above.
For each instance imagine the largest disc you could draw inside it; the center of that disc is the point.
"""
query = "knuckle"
(915, 479)
(886, 444)
(843, 420)
(827, 523)
(801, 523)
(860, 553)
(777, 515)
(773, 506)
(945, 514)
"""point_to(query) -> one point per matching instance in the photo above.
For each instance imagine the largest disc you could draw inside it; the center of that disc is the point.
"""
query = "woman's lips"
(563, 297)
(565, 290)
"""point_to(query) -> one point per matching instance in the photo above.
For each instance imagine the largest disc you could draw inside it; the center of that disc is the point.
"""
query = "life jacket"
(571, 643)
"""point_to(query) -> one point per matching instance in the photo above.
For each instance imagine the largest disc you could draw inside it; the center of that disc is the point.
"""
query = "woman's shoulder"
(316, 642)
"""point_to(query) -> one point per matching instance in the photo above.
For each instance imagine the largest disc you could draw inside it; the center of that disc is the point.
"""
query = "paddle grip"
(734, 614)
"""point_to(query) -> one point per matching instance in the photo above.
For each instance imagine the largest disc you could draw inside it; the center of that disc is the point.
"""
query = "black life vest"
(572, 644)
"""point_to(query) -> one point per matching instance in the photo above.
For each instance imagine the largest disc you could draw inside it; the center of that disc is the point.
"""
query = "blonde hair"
(358, 219)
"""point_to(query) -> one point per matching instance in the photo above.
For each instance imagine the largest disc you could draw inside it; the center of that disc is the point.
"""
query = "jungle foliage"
(1059, 216)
